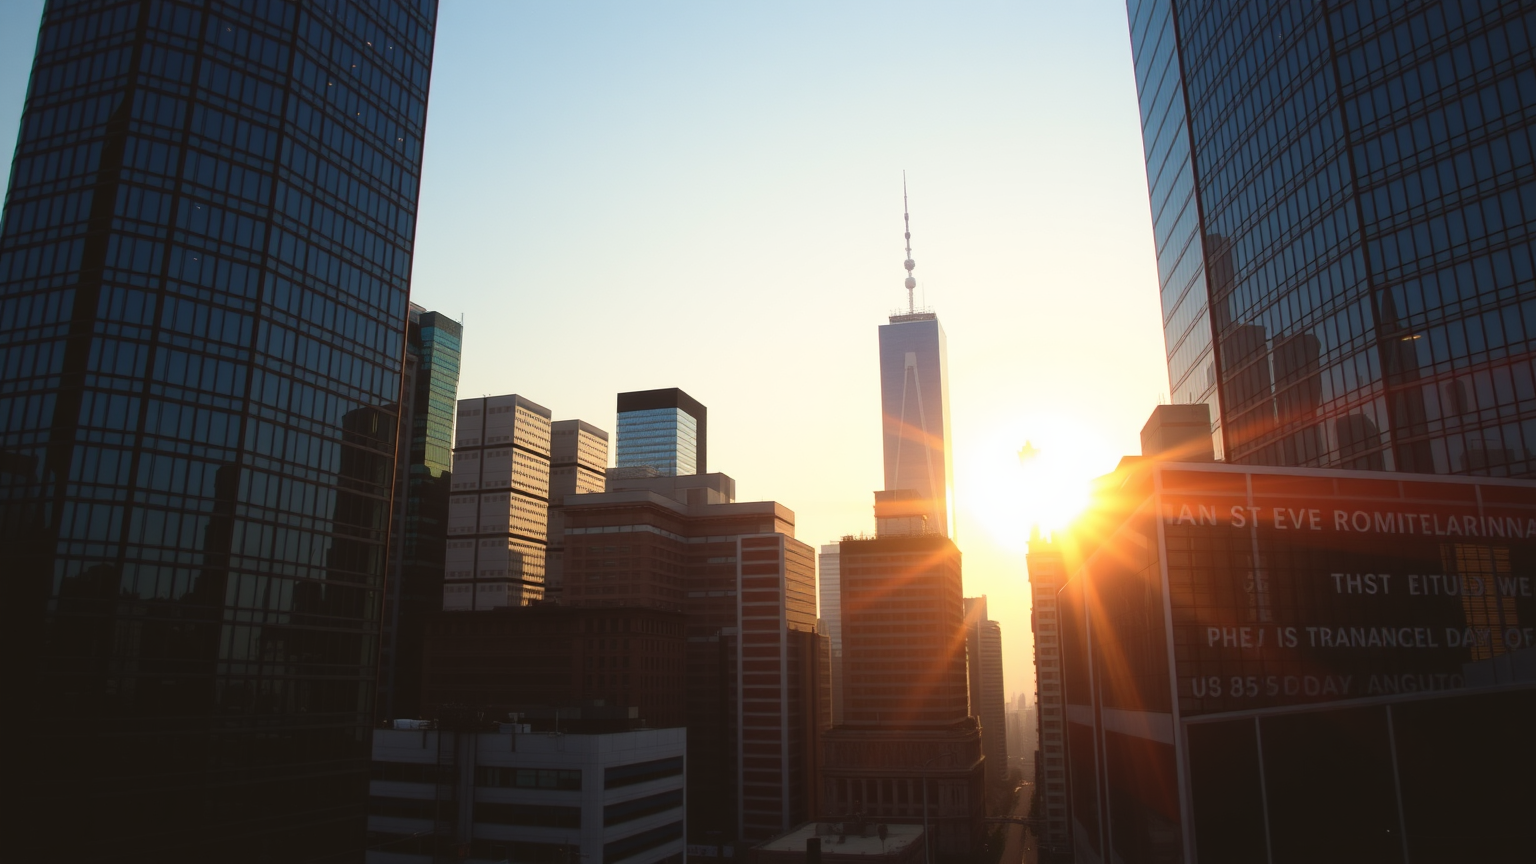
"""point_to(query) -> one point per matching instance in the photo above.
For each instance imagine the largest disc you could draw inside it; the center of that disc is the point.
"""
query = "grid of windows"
(203, 276)
(1365, 185)
(663, 439)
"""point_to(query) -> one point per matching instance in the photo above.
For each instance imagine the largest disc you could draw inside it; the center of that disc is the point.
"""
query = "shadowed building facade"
(204, 270)
(1342, 204)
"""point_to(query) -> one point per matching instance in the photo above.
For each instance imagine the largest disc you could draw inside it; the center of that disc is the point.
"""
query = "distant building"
(418, 535)
(666, 431)
(907, 734)
(984, 673)
(756, 673)
(1047, 573)
(527, 792)
(557, 655)
(499, 511)
(856, 842)
(832, 618)
(578, 462)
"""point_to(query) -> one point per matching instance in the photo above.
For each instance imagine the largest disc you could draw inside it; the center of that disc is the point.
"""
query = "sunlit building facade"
(204, 270)
(578, 463)
(984, 674)
(914, 405)
(828, 590)
(498, 514)
(665, 431)
(1342, 211)
(1285, 664)
(1047, 573)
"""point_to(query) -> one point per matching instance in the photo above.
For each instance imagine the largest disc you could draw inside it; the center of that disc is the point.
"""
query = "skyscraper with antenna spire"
(914, 399)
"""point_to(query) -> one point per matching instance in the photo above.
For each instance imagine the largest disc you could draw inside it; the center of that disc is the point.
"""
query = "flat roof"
(898, 838)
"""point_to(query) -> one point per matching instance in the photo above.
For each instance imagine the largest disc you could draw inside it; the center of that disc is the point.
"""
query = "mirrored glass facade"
(1342, 197)
(663, 439)
(204, 263)
(914, 406)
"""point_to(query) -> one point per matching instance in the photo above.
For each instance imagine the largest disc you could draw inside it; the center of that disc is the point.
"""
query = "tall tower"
(204, 272)
(1347, 289)
(914, 404)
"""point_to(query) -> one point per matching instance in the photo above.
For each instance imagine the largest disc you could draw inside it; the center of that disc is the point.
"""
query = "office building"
(499, 511)
(908, 748)
(204, 272)
(914, 405)
(419, 526)
(665, 431)
(1342, 216)
(1280, 663)
(832, 620)
(756, 679)
(984, 678)
(578, 464)
(556, 655)
(539, 790)
(1047, 573)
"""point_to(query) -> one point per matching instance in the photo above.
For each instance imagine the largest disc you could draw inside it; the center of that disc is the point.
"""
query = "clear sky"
(622, 196)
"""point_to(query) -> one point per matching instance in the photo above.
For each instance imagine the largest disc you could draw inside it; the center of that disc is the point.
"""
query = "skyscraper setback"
(203, 272)
(1342, 211)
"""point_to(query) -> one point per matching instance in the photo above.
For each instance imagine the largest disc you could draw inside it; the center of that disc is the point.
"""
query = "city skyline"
(794, 240)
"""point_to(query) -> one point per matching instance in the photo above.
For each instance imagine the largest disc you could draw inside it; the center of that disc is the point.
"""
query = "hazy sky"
(621, 196)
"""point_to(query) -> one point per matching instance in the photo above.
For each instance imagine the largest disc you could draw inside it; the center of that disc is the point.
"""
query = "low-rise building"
(844, 843)
(477, 792)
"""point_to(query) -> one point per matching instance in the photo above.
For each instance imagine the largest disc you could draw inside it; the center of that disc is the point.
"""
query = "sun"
(1034, 472)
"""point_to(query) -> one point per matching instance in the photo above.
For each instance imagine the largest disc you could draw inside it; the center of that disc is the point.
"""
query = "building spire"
(906, 221)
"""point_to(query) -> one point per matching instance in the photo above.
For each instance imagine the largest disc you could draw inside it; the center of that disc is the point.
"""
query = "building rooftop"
(860, 839)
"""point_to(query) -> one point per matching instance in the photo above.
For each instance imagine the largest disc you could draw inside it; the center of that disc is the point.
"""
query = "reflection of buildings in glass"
(578, 462)
(192, 315)
(423, 477)
(499, 511)
(905, 697)
(1380, 627)
(665, 431)
(829, 576)
(1385, 233)
(1046, 567)
(914, 401)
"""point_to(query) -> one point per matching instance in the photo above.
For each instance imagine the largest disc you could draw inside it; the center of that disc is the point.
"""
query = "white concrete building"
(516, 795)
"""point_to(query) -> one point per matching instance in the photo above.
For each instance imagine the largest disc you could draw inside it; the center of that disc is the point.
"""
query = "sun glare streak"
(1031, 473)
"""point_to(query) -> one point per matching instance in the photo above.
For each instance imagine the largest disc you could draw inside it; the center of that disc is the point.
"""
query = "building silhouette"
(1047, 572)
(498, 514)
(1342, 229)
(984, 673)
(419, 529)
(662, 431)
(204, 265)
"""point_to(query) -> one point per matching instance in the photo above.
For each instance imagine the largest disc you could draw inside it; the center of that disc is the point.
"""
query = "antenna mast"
(906, 221)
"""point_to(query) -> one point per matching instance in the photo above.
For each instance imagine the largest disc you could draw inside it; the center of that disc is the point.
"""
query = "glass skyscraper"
(204, 264)
(666, 431)
(1342, 196)
(423, 482)
(914, 403)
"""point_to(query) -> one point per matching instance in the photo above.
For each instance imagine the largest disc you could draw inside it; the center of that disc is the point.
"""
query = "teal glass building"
(1342, 200)
(423, 481)
(204, 268)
